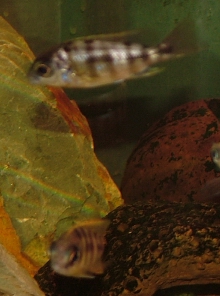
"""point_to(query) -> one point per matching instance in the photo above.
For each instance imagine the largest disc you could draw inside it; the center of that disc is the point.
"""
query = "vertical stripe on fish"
(78, 252)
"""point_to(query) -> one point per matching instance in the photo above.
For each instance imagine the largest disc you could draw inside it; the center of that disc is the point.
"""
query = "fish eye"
(73, 255)
(53, 247)
(43, 70)
(215, 154)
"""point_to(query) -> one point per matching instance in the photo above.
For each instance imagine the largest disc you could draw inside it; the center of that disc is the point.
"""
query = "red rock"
(172, 159)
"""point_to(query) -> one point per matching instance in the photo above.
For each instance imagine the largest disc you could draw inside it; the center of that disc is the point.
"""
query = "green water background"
(46, 23)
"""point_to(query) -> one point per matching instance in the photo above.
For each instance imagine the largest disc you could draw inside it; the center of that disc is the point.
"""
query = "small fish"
(78, 252)
(96, 61)
(210, 192)
(215, 154)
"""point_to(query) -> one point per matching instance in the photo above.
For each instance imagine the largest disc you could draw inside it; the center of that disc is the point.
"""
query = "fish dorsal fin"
(144, 36)
(99, 225)
(124, 35)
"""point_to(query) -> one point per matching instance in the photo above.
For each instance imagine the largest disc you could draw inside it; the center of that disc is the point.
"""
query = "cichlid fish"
(210, 192)
(95, 61)
(78, 252)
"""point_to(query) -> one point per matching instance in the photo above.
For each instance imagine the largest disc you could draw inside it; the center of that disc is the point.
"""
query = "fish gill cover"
(49, 174)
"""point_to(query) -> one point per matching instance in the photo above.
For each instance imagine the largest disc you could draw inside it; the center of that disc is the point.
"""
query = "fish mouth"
(32, 75)
(33, 78)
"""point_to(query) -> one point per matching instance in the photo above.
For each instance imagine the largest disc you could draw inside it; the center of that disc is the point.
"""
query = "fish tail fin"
(182, 40)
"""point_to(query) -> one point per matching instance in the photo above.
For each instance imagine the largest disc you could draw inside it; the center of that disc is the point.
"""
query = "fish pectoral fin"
(147, 73)
(99, 267)
(85, 274)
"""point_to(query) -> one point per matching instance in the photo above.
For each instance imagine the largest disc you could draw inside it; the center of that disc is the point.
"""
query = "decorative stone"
(11, 242)
(50, 177)
(155, 252)
(14, 279)
(172, 159)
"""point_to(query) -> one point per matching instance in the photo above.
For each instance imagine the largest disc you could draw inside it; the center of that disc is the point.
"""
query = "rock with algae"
(152, 249)
(10, 240)
(49, 174)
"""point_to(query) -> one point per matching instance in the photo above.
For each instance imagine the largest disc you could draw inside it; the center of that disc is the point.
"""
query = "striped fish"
(78, 252)
(95, 61)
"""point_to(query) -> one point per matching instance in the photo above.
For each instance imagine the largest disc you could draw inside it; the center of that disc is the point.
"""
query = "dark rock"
(56, 285)
(151, 247)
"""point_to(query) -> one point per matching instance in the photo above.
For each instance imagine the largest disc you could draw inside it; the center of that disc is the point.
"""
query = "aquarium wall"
(37, 21)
